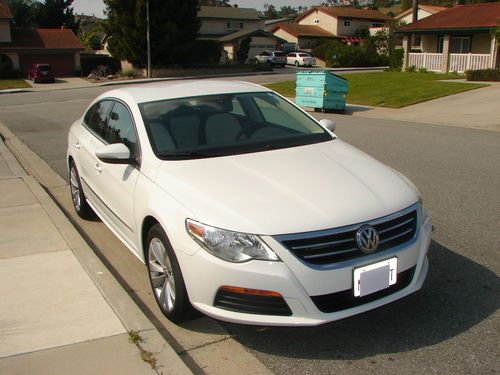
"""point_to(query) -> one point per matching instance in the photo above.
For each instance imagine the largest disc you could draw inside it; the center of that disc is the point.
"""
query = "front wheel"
(165, 277)
(297, 64)
(80, 204)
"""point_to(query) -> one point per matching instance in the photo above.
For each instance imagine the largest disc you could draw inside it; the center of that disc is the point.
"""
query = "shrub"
(423, 70)
(483, 75)
(396, 59)
(203, 52)
(411, 69)
(10, 74)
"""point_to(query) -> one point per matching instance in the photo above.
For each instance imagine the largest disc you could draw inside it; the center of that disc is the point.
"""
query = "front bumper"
(204, 274)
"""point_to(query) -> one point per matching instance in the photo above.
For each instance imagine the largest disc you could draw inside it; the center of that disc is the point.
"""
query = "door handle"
(98, 167)
(78, 145)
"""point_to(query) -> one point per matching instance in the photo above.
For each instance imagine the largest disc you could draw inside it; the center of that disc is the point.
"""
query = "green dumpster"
(321, 90)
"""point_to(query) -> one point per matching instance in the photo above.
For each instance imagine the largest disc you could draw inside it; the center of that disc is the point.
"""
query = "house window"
(460, 44)
(316, 20)
(377, 24)
(440, 44)
(234, 25)
(347, 23)
(416, 40)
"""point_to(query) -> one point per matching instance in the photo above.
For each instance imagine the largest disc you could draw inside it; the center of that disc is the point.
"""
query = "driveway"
(478, 109)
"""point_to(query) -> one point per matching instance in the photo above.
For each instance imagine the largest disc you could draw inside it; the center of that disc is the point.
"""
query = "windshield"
(44, 68)
(228, 124)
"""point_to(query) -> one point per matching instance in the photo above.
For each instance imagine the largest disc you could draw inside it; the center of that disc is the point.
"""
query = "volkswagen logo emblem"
(367, 239)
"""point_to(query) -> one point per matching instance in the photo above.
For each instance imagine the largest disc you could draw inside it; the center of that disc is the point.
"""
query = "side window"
(121, 128)
(96, 117)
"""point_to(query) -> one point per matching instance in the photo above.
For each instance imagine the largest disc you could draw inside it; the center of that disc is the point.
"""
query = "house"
(343, 22)
(230, 25)
(301, 36)
(20, 48)
(455, 39)
(406, 16)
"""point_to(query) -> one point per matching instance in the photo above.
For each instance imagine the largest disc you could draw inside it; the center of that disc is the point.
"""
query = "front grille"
(329, 303)
(251, 304)
(337, 245)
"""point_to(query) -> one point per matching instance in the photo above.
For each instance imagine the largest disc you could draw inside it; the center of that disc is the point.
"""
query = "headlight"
(420, 207)
(230, 246)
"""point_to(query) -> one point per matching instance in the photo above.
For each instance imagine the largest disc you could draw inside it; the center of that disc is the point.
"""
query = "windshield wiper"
(190, 154)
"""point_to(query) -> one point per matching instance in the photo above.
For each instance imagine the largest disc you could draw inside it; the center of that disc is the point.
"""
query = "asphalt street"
(450, 327)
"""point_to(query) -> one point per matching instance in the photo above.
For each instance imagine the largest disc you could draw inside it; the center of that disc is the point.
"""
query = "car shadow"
(457, 295)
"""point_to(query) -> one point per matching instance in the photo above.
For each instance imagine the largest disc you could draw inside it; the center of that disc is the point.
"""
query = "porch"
(450, 52)
(458, 62)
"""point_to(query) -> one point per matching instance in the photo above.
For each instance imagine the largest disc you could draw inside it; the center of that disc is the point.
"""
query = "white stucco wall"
(284, 35)
(5, 31)
(409, 17)
(326, 21)
(218, 26)
(481, 43)
(355, 25)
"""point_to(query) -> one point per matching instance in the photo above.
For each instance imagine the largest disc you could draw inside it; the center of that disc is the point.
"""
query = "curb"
(208, 357)
(120, 302)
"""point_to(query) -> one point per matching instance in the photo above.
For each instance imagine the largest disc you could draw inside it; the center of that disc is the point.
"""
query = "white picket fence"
(460, 62)
(429, 61)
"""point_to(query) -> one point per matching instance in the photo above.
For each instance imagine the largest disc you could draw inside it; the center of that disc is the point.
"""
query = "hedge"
(483, 75)
(10, 74)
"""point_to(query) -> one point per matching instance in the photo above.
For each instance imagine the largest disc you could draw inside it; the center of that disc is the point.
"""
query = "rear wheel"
(80, 204)
(166, 278)
(297, 64)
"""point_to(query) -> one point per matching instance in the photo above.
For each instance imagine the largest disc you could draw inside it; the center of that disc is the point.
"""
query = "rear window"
(44, 68)
(303, 55)
(279, 54)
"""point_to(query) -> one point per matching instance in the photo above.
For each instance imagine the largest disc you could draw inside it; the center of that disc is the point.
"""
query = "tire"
(165, 277)
(80, 204)
(297, 64)
(283, 65)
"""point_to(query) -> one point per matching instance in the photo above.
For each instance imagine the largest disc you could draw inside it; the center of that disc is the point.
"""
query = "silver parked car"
(271, 58)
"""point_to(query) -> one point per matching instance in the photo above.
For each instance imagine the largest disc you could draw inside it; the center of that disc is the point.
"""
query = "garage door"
(63, 65)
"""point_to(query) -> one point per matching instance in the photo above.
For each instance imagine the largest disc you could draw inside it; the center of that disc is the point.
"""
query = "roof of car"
(181, 89)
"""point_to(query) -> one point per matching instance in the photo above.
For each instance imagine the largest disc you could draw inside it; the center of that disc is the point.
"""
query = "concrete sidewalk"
(61, 311)
(478, 109)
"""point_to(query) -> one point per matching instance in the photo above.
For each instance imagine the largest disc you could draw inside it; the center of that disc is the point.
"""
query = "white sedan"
(300, 59)
(245, 207)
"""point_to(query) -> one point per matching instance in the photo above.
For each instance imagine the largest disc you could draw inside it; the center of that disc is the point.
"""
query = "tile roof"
(43, 39)
(229, 13)
(249, 33)
(302, 30)
(5, 12)
(347, 12)
(469, 16)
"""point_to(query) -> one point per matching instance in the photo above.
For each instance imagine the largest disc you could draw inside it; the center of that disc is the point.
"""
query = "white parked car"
(245, 207)
(300, 59)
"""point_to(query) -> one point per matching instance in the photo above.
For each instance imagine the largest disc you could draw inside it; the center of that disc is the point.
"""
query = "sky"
(95, 7)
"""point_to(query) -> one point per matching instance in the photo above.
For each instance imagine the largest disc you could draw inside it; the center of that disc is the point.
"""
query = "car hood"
(299, 189)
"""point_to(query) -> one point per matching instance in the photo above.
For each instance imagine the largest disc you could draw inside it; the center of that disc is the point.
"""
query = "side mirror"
(329, 124)
(116, 153)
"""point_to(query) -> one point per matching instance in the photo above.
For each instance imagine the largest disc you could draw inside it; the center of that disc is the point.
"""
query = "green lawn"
(13, 84)
(391, 89)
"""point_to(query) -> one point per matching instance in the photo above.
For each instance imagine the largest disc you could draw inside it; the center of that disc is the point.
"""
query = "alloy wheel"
(161, 274)
(75, 190)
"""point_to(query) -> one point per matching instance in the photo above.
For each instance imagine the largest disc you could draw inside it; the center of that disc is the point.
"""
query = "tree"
(23, 13)
(54, 14)
(270, 11)
(215, 3)
(287, 11)
(173, 29)
(242, 52)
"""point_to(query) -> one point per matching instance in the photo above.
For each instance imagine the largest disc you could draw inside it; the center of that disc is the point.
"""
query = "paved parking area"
(450, 327)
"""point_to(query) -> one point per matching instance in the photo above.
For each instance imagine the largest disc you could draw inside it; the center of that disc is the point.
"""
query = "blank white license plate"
(374, 277)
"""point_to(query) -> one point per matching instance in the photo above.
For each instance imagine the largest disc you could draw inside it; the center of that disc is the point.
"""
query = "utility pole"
(147, 37)
(414, 19)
